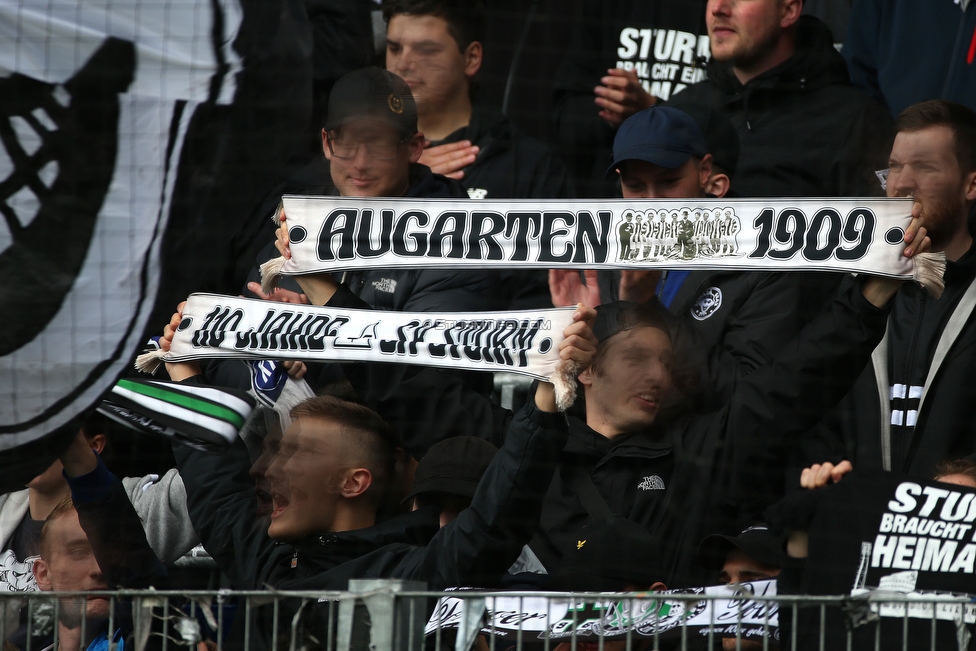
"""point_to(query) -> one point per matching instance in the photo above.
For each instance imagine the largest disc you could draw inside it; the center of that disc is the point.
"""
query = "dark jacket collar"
(414, 528)
(814, 64)
(585, 441)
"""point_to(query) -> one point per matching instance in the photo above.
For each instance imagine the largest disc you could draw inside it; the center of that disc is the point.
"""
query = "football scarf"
(723, 610)
(524, 342)
(847, 235)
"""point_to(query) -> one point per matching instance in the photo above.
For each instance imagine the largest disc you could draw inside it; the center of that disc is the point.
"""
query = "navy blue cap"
(660, 135)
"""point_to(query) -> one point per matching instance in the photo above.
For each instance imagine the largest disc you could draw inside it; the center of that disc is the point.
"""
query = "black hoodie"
(804, 131)
(509, 165)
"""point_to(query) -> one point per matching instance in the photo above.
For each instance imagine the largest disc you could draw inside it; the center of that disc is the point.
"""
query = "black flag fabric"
(875, 536)
(121, 125)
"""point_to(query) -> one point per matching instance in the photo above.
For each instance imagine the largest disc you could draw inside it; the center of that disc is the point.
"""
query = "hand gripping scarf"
(524, 342)
(847, 235)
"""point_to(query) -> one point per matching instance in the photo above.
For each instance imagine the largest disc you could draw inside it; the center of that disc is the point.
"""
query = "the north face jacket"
(906, 51)
(665, 41)
(804, 131)
(682, 479)
(915, 404)
(410, 290)
(403, 290)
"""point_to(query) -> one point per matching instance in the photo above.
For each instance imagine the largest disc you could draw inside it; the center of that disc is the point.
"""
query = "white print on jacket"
(900, 417)
(16, 576)
(652, 483)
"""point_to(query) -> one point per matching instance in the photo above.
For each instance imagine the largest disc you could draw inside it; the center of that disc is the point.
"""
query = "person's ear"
(791, 13)
(97, 443)
(355, 482)
(472, 59)
(718, 184)
(971, 186)
(325, 145)
(415, 146)
(704, 172)
(586, 377)
(42, 575)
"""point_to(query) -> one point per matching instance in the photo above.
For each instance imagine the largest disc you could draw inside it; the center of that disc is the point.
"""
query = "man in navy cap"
(728, 323)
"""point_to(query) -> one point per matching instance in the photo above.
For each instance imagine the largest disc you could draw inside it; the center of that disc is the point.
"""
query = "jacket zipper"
(903, 402)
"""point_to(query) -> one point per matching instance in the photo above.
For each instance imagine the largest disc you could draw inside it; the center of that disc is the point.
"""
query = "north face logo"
(652, 483)
(387, 285)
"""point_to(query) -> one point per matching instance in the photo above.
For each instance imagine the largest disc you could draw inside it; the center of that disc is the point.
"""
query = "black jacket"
(934, 404)
(681, 479)
(405, 290)
(804, 131)
(476, 549)
(731, 323)
(509, 165)
(411, 290)
(661, 39)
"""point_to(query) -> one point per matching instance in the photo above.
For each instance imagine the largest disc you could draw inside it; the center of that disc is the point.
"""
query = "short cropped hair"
(465, 18)
(63, 508)
(963, 467)
(370, 438)
(961, 120)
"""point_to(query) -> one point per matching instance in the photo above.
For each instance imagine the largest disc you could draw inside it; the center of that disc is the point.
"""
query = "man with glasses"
(372, 147)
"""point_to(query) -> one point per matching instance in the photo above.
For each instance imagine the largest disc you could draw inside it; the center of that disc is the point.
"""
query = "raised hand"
(566, 288)
(621, 95)
(449, 159)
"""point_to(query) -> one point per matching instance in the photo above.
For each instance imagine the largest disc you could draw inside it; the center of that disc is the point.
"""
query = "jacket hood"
(814, 64)
(318, 552)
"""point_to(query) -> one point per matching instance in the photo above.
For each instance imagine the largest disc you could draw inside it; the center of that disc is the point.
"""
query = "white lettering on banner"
(675, 55)
(228, 327)
(927, 535)
(338, 234)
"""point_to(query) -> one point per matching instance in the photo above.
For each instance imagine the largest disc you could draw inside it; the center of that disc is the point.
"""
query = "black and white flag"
(98, 102)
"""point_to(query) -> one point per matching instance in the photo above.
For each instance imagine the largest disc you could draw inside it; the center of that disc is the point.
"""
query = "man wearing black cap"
(753, 555)
(729, 322)
(372, 147)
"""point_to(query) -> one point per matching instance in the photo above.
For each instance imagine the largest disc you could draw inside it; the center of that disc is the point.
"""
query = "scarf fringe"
(270, 272)
(149, 362)
(929, 269)
(564, 382)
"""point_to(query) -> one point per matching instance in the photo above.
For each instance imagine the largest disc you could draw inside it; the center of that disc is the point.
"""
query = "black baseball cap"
(618, 316)
(453, 466)
(756, 542)
(720, 136)
(372, 93)
(660, 135)
(608, 556)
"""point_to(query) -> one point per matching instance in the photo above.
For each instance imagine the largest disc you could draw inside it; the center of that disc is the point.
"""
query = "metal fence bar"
(581, 617)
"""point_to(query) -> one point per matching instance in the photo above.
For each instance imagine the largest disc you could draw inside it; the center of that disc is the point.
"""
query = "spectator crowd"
(706, 397)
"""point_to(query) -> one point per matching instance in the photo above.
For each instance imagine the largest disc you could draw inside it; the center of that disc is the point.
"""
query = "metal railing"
(384, 615)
